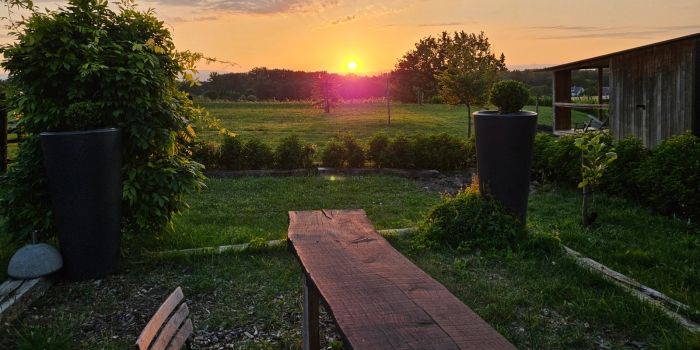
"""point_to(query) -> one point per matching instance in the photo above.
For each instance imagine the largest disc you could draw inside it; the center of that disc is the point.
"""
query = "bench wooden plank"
(378, 298)
(151, 329)
(171, 328)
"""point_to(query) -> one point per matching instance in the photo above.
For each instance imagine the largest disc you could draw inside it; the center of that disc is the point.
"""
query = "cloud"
(345, 19)
(263, 7)
(443, 24)
(193, 19)
(592, 32)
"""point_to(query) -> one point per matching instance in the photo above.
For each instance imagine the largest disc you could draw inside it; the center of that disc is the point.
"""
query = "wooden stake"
(312, 341)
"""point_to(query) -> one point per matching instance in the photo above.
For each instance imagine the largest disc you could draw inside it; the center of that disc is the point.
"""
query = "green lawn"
(537, 301)
(236, 211)
(271, 121)
(656, 250)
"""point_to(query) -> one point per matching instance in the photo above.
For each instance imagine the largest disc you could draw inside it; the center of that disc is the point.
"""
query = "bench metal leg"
(312, 340)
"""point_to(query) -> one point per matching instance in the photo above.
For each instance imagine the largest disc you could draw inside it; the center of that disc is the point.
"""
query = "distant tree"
(470, 71)
(326, 92)
(415, 73)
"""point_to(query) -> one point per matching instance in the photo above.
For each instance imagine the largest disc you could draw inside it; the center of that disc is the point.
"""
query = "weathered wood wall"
(653, 92)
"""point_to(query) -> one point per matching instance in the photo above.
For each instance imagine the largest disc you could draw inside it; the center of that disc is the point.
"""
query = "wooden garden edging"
(17, 295)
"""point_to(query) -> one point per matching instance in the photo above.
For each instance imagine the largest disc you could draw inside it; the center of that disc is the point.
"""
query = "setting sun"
(352, 66)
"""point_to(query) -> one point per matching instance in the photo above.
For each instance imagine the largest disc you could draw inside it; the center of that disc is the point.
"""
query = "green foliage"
(439, 151)
(399, 154)
(470, 71)
(620, 178)
(44, 340)
(343, 151)
(207, 153)
(670, 177)
(293, 154)
(257, 155)
(470, 221)
(232, 153)
(332, 154)
(377, 150)
(86, 66)
(596, 157)
(557, 159)
(509, 96)
(353, 154)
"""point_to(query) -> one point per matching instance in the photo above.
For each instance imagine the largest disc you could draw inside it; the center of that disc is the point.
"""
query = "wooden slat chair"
(169, 327)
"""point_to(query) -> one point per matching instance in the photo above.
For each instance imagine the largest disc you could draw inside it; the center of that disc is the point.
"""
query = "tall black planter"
(84, 173)
(504, 154)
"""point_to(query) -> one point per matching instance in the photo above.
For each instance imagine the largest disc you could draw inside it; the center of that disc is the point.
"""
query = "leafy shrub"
(207, 153)
(85, 66)
(469, 153)
(232, 153)
(251, 98)
(620, 178)
(377, 150)
(353, 154)
(257, 155)
(291, 153)
(332, 154)
(399, 154)
(557, 159)
(509, 96)
(439, 151)
(670, 177)
(470, 221)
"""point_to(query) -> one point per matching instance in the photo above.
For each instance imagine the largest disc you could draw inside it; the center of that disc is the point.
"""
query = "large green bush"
(291, 153)
(399, 153)
(471, 221)
(620, 178)
(232, 153)
(332, 154)
(207, 153)
(670, 177)
(257, 155)
(376, 152)
(86, 66)
(557, 159)
(440, 151)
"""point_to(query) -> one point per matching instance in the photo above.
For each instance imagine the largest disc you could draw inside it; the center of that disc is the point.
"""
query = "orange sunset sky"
(327, 34)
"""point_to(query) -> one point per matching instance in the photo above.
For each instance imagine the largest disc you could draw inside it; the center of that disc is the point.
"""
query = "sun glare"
(352, 66)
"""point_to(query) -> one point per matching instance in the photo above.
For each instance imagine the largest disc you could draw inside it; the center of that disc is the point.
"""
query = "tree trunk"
(326, 106)
(469, 121)
(585, 219)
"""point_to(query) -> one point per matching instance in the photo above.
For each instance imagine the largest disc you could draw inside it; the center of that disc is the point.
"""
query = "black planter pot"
(84, 174)
(504, 154)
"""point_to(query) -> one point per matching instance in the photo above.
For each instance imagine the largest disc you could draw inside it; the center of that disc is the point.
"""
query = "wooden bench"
(169, 327)
(377, 297)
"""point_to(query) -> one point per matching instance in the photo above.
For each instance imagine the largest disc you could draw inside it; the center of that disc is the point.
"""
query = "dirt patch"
(446, 183)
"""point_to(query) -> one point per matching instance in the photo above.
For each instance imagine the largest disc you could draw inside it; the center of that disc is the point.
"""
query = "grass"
(658, 251)
(237, 211)
(270, 121)
(538, 301)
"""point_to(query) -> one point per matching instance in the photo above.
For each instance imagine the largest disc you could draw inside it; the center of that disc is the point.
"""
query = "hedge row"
(666, 179)
(439, 151)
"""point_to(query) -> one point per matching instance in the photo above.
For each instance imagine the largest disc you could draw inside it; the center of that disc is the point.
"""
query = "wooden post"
(388, 99)
(312, 341)
(562, 93)
(600, 92)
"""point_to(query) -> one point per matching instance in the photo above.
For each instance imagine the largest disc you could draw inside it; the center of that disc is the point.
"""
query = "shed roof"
(604, 60)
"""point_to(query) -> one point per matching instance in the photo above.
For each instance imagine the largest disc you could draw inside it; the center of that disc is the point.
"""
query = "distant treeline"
(284, 84)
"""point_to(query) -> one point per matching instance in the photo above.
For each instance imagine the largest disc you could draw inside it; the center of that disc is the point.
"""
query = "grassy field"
(272, 121)
(537, 301)
(659, 251)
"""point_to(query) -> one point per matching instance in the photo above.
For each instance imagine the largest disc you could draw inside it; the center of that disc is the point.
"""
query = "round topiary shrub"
(470, 221)
(85, 66)
(509, 96)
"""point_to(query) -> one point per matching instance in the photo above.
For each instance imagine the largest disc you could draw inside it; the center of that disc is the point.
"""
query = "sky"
(329, 34)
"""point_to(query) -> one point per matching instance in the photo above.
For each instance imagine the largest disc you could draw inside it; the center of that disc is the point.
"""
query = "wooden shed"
(654, 90)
